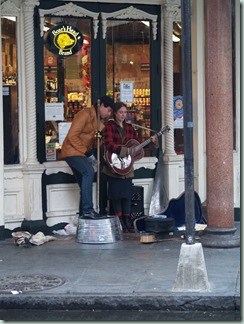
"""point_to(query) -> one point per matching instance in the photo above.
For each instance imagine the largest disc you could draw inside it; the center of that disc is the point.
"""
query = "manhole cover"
(26, 283)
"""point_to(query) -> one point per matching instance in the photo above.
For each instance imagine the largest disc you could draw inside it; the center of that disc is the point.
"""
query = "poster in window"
(178, 111)
(54, 111)
(63, 129)
(51, 151)
(127, 92)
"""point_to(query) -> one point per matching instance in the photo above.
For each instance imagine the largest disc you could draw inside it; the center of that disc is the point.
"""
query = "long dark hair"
(118, 105)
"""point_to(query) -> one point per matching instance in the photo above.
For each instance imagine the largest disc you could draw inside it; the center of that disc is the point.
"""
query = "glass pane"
(128, 60)
(178, 101)
(66, 77)
(10, 90)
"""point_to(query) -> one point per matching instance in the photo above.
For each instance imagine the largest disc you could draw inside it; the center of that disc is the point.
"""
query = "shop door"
(80, 60)
(66, 78)
(128, 77)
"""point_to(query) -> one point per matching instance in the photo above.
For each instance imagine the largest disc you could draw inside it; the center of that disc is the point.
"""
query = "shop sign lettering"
(64, 40)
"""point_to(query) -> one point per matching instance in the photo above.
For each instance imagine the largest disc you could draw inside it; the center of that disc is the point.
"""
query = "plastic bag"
(69, 229)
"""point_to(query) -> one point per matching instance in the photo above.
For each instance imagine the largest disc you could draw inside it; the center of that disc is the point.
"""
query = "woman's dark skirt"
(119, 188)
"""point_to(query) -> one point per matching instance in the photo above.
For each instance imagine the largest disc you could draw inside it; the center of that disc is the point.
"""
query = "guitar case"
(159, 225)
(175, 212)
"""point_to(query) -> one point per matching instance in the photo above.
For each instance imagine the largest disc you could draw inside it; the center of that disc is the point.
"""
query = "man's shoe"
(91, 215)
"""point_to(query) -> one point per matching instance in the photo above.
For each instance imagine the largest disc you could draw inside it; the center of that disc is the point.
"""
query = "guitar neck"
(146, 142)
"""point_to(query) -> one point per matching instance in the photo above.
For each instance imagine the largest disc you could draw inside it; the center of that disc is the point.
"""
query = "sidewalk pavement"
(64, 275)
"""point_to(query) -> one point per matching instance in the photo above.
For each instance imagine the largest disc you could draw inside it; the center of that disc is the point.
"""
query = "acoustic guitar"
(123, 166)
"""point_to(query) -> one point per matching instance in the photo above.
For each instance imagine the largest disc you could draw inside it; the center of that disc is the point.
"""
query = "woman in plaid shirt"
(116, 134)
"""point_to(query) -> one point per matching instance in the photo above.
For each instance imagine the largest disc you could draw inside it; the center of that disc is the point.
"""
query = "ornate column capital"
(131, 13)
(69, 9)
(29, 5)
(8, 8)
(172, 9)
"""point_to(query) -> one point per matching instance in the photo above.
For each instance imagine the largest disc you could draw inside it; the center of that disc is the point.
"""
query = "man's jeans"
(84, 174)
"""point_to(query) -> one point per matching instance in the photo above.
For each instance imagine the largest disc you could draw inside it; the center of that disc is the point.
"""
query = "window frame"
(98, 67)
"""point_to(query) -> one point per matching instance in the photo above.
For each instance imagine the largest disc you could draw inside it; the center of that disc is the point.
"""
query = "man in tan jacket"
(77, 150)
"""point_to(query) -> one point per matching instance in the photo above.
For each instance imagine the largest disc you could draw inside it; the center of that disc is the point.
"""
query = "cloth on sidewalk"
(25, 238)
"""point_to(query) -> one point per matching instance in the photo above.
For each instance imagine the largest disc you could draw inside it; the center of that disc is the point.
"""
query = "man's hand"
(93, 162)
(98, 134)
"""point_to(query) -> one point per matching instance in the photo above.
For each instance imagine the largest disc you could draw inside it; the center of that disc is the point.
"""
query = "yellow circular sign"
(64, 40)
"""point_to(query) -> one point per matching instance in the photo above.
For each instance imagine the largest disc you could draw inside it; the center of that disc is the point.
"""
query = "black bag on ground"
(159, 224)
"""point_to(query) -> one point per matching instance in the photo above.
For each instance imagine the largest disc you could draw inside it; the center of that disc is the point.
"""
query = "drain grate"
(26, 283)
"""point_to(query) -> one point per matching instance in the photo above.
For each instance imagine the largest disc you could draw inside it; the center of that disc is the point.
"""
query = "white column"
(170, 13)
(28, 9)
(171, 10)
(33, 169)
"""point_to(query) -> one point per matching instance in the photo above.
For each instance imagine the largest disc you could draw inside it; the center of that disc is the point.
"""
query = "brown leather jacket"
(81, 135)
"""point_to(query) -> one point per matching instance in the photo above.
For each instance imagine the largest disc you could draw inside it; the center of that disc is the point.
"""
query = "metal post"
(98, 156)
(188, 121)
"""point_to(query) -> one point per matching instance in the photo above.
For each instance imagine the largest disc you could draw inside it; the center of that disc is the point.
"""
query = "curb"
(122, 302)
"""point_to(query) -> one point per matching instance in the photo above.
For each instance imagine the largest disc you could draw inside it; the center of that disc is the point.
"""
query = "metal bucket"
(104, 230)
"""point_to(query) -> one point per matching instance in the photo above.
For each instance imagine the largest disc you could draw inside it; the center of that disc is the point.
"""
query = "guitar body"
(123, 166)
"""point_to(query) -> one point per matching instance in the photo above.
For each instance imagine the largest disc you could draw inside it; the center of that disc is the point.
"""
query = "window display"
(128, 53)
(10, 90)
(178, 98)
(66, 76)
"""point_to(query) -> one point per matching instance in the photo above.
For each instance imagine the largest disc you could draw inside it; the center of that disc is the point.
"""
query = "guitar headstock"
(165, 129)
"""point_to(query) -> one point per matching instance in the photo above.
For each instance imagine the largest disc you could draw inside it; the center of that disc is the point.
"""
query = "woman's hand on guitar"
(154, 140)
(125, 151)
(131, 151)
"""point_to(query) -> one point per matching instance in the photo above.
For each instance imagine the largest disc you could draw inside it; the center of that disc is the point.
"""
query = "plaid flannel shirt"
(112, 138)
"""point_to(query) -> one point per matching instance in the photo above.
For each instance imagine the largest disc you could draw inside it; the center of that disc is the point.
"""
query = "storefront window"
(178, 100)
(67, 77)
(128, 71)
(10, 90)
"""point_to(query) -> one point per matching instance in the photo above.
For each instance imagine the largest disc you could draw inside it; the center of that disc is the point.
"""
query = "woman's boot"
(128, 224)
(124, 227)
